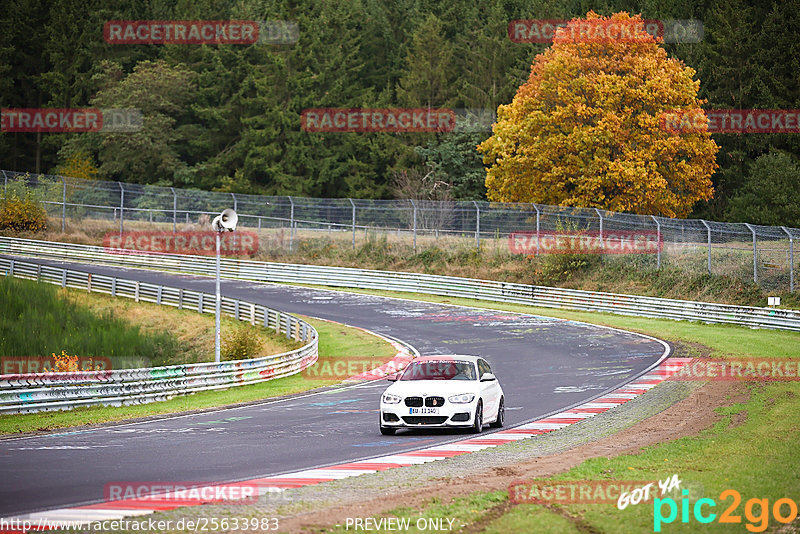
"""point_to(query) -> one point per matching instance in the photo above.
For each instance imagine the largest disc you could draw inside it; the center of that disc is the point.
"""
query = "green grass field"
(38, 321)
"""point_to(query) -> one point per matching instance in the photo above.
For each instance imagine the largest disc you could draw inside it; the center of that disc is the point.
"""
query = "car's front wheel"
(501, 415)
(387, 431)
(477, 426)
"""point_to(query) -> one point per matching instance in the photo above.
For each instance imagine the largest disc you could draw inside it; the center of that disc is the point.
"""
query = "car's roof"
(435, 357)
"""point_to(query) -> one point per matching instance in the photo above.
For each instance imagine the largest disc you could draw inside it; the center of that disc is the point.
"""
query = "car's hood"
(442, 388)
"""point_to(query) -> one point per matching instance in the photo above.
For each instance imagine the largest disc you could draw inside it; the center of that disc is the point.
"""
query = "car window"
(483, 367)
(440, 370)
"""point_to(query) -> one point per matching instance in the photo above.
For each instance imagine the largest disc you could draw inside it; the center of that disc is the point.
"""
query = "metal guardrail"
(32, 392)
(488, 290)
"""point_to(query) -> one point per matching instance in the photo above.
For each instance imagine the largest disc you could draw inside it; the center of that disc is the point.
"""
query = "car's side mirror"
(392, 378)
(488, 377)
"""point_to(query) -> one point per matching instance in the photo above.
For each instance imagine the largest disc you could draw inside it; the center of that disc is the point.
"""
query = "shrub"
(22, 214)
(240, 344)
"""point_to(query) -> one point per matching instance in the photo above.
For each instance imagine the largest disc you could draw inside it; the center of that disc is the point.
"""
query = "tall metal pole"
(708, 228)
(291, 225)
(217, 309)
(121, 208)
(537, 228)
(63, 205)
(354, 221)
(791, 259)
(658, 237)
(755, 254)
(415, 223)
(477, 226)
(174, 210)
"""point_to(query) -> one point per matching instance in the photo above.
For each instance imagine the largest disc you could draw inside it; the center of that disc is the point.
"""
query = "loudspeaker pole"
(224, 222)
(219, 305)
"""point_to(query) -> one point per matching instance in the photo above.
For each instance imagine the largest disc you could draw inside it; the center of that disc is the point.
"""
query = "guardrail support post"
(63, 278)
(414, 205)
(200, 303)
(791, 259)
(11, 269)
(477, 226)
(708, 228)
(136, 292)
(755, 253)
(121, 208)
(159, 292)
(658, 237)
(353, 205)
(174, 210)
(63, 204)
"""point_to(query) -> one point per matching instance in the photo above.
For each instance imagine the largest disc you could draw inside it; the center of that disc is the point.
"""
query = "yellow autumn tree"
(78, 165)
(585, 129)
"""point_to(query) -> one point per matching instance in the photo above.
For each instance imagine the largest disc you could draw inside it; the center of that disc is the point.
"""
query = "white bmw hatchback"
(443, 391)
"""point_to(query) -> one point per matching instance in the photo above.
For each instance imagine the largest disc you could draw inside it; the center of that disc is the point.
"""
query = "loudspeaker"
(225, 221)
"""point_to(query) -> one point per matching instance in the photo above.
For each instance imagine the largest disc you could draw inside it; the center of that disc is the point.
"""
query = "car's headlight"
(388, 398)
(464, 398)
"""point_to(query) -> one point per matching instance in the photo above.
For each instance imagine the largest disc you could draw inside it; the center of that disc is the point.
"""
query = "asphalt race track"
(544, 365)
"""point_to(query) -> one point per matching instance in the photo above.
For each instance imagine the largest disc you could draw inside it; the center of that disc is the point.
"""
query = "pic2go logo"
(756, 522)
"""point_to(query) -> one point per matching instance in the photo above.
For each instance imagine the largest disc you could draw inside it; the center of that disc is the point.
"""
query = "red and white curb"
(119, 509)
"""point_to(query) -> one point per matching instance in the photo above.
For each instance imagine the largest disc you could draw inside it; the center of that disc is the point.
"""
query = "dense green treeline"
(227, 117)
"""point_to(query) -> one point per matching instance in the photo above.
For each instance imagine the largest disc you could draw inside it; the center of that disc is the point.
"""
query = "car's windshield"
(440, 370)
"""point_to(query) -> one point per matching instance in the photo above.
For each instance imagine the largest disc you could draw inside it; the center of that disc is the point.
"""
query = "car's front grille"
(434, 401)
(424, 419)
(414, 402)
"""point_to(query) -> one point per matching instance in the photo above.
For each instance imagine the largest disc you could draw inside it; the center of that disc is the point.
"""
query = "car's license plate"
(413, 411)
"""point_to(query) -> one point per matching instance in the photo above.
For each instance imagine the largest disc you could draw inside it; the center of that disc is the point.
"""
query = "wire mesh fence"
(761, 254)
